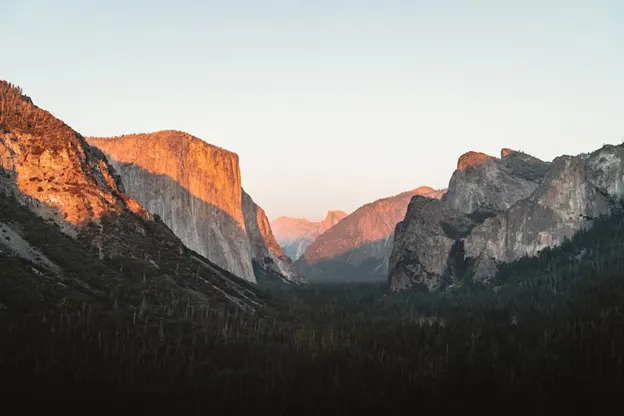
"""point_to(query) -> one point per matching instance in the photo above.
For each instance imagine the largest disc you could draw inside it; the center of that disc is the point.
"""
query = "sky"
(330, 104)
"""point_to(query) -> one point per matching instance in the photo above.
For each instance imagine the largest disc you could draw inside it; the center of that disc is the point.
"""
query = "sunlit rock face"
(332, 218)
(195, 188)
(358, 247)
(50, 168)
(51, 171)
(295, 235)
(523, 205)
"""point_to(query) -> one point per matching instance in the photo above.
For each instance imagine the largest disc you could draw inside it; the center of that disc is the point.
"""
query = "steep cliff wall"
(575, 191)
(265, 250)
(425, 244)
(50, 176)
(358, 247)
(193, 186)
(566, 196)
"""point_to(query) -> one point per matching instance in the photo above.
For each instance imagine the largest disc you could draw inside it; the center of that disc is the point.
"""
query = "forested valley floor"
(547, 335)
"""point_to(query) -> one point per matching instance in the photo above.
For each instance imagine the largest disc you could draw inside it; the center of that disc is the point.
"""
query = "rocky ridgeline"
(50, 168)
(499, 210)
(358, 247)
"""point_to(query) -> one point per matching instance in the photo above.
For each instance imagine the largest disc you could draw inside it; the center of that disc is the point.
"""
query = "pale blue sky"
(330, 104)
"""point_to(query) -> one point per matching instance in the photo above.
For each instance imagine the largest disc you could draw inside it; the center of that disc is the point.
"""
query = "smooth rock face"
(48, 172)
(50, 168)
(295, 235)
(568, 194)
(265, 250)
(358, 247)
(194, 187)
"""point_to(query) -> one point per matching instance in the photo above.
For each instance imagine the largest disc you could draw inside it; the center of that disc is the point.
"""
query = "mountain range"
(295, 235)
(498, 210)
(358, 247)
(136, 264)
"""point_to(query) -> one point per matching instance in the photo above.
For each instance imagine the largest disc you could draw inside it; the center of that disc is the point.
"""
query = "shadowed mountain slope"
(358, 247)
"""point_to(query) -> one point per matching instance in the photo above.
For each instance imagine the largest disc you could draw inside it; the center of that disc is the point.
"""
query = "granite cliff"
(195, 188)
(358, 247)
(498, 210)
(267, 255)
(68, 226)
(296, 234)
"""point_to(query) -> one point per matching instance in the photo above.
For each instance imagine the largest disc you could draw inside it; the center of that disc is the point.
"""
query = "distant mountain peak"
(423, 189)
(358, 246)
(332, 218)
(296, 234)
(506, 152)
(335, 213)
(471, 158)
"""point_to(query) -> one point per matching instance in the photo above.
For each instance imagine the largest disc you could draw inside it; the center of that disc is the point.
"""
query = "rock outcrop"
(523, 206)
(483, 185)
(195, 188)
(295, 235)
(359, 246)
(426, 243)
(64, 213)
(265, 251)
(50, 168)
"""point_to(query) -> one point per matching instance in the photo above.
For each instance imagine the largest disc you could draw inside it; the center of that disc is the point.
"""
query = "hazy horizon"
(329, 105)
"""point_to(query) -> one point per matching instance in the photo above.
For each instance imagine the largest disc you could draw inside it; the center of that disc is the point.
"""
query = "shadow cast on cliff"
(185, 214)
(113, 259)
(138, 247)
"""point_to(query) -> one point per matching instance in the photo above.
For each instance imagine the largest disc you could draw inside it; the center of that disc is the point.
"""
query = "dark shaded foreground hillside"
(549, 339)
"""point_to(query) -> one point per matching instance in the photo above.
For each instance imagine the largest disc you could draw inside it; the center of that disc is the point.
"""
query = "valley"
(137, 267)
